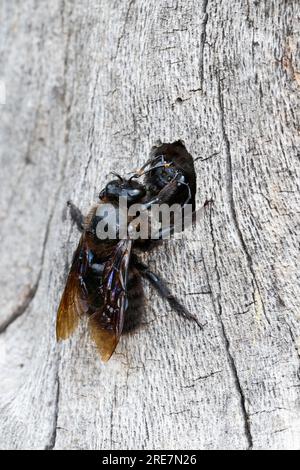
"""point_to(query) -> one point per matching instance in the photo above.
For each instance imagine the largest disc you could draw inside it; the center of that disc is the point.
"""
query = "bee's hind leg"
(76, 216)
(164, 291)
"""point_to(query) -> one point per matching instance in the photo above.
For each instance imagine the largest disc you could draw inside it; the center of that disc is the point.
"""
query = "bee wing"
(74, 300)
(106, 323)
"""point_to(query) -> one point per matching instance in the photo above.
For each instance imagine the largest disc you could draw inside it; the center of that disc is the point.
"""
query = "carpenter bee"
(105, 280)
(172, 163)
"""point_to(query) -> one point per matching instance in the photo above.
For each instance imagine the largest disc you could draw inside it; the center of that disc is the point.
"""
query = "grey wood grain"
(90, 87)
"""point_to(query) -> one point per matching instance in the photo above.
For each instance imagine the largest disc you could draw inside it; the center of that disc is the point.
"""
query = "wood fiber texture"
(90, 87)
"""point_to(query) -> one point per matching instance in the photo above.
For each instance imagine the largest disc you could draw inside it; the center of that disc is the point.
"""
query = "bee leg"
(76, 216)
(164, 291)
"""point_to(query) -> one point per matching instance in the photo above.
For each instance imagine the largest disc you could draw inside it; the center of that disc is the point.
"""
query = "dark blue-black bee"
(105, 280)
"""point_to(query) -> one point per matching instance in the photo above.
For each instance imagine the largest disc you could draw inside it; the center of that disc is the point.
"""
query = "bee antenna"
(132, 177)
(116, 175)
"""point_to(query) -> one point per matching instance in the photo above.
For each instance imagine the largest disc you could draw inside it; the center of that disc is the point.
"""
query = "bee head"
(123, 188)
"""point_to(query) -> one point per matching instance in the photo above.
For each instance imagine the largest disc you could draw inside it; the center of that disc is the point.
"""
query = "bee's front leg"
(76, 216)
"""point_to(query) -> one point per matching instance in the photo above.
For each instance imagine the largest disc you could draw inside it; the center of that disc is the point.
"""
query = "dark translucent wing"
(106, 323)
(74, 299)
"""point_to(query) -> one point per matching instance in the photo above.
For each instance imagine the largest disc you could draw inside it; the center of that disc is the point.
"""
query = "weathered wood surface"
(90, 87)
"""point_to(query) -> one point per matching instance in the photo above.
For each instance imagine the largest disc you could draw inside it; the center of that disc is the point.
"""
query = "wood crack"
(113, 407)
(202, 377)
(52, 441)
(231, 361)
(294, 341)
(20, 309)
(232, 207)
(91, 132)
(122, 35)
(203, 41)
(214, 154)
